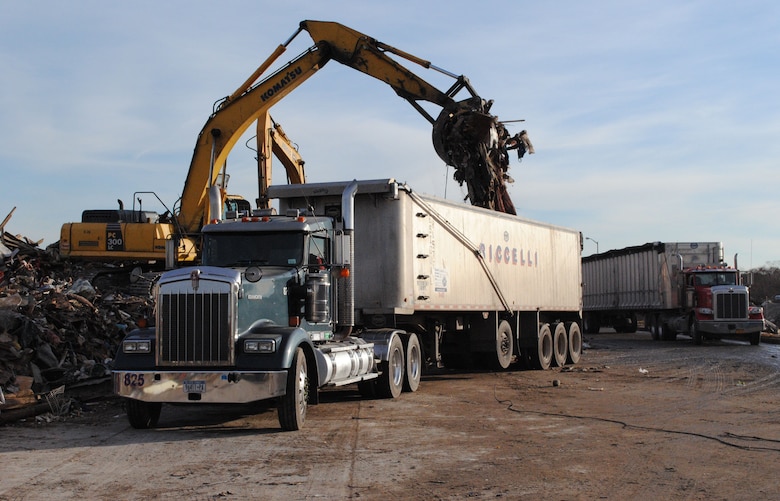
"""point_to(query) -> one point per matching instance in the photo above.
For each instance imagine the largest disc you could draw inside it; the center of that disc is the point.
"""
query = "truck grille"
(194, 329)
(732, 305)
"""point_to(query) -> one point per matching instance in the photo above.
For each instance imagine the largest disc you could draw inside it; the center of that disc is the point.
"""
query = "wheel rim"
(414, 363)
(303, 389)
(397, 367)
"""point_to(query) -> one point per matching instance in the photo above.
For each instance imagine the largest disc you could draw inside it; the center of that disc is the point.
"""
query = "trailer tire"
(294, 403)
(413, 372)
(143, 415)
(575, 342)
(391, 382)
(560, 344)
(544, 348)
(505, 346)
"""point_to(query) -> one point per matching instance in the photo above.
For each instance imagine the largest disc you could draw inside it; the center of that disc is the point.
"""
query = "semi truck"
(674, 288)
(361, 282)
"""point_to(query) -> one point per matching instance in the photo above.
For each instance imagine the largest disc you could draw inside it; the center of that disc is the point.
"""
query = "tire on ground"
(143, 415)
(560, 344)
(544, 348)
(413, 372)
(294, 403)
(575, 342)
(391, 382)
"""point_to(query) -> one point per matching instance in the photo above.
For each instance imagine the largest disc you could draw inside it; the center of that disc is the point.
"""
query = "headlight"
(137, 346)
(259, 346)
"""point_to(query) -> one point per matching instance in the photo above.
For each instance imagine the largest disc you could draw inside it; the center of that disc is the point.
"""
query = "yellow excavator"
(465, 135)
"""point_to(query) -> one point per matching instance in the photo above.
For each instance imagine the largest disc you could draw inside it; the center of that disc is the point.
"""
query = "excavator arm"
(465, 134)
(272, 141)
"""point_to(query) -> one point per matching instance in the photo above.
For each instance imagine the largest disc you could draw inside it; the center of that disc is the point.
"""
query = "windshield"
(710, 279)
(248, 249)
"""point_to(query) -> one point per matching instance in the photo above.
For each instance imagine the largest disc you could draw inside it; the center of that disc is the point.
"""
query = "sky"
(651, 121)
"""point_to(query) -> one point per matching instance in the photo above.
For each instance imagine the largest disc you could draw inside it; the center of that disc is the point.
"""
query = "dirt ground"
(635, 419)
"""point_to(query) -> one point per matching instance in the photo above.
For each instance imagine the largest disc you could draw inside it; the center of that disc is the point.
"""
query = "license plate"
(194, 386)
(740, 331)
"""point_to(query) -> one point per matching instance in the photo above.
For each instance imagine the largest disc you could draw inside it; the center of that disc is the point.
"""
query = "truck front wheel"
(293, 405)
(143, 415)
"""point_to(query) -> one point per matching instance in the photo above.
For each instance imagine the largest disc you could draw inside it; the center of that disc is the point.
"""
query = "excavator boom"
(465, 134)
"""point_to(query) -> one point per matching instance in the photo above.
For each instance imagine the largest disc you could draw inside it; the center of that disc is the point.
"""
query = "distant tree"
(765, 283)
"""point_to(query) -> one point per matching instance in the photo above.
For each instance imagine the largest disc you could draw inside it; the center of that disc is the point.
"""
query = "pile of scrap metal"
(58, 333)
(477, 145)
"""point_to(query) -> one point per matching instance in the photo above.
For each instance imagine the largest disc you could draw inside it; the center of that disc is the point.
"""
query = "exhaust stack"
(346, 306)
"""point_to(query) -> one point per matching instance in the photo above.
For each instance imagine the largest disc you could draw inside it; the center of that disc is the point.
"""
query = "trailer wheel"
(143, 415)
(505, 346)
(560, 344)
(391, 382)
(544, 348)
(575, 342)
(293, 404)
(413, 363)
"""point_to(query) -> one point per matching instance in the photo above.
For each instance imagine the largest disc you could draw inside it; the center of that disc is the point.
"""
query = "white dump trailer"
(354, 282)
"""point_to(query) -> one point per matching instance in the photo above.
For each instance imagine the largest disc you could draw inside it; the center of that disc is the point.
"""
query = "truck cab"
(719, 306)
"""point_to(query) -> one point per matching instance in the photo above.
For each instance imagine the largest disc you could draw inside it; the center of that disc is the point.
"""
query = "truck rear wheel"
(544, 348)
(294, 403)
(575, 342)
(693, 329)
(666, 332)
(391, 382)
(560, 344)
(413, 363)
(143, 415)
(651, 323)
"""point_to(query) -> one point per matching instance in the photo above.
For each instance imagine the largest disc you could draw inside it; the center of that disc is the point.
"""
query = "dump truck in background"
(674, 288)
(365, 283)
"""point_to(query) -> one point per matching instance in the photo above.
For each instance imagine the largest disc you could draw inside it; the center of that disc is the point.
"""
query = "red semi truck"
(674, 287)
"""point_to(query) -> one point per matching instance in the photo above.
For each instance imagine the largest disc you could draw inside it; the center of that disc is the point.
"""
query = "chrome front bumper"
(205, 387)
(725, 327)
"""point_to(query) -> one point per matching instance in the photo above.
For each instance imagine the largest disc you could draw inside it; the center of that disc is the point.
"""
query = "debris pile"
(57, 330)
